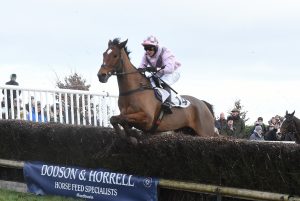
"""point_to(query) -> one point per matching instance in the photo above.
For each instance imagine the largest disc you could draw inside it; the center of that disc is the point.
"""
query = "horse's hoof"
(133, 140)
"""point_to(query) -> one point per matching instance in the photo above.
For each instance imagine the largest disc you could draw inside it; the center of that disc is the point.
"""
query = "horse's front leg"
(116, 121)
(126, 121)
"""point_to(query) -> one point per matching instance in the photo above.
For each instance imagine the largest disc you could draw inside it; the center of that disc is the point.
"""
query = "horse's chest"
(128, 109)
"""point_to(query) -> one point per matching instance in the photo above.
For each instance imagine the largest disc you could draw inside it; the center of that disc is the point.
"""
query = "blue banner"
(99, 184)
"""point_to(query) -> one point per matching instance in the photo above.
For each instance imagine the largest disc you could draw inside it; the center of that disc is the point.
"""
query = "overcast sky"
(229, 49)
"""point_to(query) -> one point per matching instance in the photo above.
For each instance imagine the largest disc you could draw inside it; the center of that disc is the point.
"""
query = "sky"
(230, 50)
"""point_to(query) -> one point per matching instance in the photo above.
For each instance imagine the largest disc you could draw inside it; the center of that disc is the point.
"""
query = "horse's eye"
(115, 56)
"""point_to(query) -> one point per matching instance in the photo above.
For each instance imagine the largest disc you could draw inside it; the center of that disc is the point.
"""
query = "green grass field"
(6, 195)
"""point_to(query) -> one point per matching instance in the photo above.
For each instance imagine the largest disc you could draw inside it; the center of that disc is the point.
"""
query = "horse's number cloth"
(176, 99)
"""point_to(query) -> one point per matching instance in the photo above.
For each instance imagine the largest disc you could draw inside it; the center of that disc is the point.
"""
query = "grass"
(6, 195)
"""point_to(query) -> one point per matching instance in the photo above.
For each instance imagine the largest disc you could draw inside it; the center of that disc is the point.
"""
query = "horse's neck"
(131, 80)
(297, 123)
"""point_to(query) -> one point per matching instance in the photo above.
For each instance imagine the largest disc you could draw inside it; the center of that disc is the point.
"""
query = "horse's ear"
(293, 113)
(109, 43)
(123, 44)
(286, 113)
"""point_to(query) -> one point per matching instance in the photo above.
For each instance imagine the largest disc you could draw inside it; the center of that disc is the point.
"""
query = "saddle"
(164, 93)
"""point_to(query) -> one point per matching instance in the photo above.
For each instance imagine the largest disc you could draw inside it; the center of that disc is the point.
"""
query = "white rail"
(57, 105)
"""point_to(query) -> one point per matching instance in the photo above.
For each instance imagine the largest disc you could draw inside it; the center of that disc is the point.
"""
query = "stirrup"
(167, 108)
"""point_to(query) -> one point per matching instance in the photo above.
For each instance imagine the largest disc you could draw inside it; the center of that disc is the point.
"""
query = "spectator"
(272, 122)
(272, 134)
(32, 100)
(238, 123)
(57, 111)
(230, 129)
(3, 108)
(221, 124)
(21, 110)
(39, 113)
(257, 133)
(260, 122)
(12, 81)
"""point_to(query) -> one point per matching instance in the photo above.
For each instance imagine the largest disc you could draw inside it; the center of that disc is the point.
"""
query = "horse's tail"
(210, 107)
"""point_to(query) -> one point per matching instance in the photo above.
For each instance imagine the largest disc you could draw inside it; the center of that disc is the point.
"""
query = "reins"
(121, 66)
(124, 73)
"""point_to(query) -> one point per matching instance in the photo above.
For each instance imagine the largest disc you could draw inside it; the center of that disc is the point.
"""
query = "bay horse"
(291, 124)
(139, 108)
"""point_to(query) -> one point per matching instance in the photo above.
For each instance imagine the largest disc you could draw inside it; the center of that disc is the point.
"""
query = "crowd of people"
(33, 110)
(234, 126)
(12, 108)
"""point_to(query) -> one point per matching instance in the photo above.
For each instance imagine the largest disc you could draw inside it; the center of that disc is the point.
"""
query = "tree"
(239, 106)
(77, 82)
(73, 81)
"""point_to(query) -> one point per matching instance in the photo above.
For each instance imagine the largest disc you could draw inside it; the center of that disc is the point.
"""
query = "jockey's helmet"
(150, 41)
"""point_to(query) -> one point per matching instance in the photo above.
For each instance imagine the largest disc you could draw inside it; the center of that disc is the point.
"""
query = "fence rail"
(191, 187)
(57, 105)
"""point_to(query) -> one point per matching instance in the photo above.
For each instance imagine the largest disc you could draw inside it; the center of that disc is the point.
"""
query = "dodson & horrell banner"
(89, 184)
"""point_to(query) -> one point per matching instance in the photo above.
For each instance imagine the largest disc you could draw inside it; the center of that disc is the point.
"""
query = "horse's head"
(288, 125)
(112, 60)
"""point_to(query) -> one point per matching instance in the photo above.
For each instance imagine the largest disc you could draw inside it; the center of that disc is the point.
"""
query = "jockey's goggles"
(149, 48)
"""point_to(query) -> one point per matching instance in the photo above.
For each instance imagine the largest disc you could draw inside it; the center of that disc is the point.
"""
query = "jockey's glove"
(151, 69)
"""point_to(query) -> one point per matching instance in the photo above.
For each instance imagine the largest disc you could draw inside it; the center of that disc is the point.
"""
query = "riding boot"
(167, 104)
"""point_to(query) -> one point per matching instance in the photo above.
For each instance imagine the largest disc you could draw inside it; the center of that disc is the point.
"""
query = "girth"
(142, 88)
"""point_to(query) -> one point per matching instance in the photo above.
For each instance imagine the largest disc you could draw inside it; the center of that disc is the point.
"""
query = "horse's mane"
(116, 41)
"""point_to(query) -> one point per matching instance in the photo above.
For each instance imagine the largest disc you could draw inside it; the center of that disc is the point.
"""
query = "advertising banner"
(89, 184)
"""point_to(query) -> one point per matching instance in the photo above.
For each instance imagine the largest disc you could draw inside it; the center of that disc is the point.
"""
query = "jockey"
(160, 57)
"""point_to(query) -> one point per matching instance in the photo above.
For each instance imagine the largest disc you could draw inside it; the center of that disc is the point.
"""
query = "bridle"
(291, 125)
(118, 66)
(119, 71)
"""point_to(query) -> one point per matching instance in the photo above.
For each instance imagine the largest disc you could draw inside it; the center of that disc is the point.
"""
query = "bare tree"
(243, 113)
(73, 81)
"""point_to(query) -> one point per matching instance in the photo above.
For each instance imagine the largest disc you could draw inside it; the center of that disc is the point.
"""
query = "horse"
(139, 108)
(291, 124)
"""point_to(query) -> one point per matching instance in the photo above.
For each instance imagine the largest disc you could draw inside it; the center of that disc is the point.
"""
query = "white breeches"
(171, 78)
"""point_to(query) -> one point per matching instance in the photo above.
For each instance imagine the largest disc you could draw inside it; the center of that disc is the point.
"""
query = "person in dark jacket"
(10, 96)
(230, 129)
(238, 123)
(221, 124)
(271, 134)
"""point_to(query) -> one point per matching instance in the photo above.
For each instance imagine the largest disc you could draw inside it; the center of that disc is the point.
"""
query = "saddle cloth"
(176, 99)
